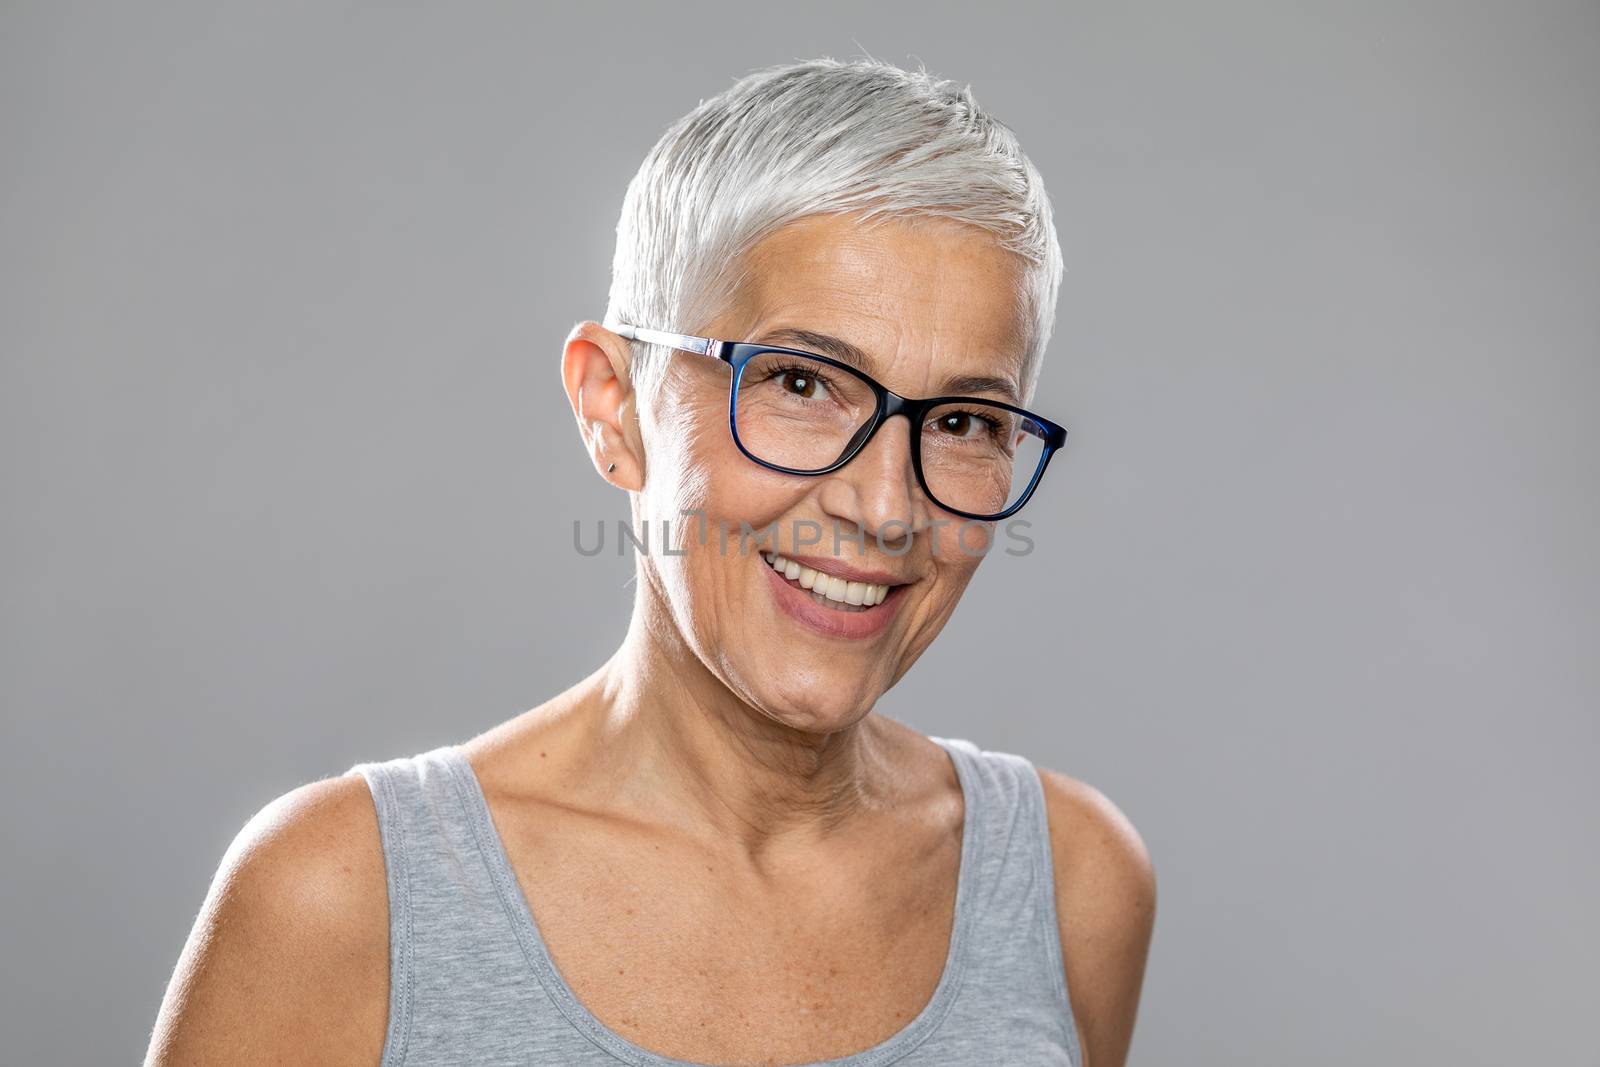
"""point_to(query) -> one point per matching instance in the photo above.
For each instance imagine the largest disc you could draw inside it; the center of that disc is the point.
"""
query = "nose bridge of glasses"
(893, 404)
(883, 482)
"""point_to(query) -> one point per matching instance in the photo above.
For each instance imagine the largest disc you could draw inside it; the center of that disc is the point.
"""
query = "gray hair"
(810, 138)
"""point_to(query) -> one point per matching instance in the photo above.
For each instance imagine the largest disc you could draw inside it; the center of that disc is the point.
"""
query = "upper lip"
(839, 569)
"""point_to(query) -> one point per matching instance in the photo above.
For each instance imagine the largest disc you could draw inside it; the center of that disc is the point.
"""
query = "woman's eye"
(957, 423)
(803, 385)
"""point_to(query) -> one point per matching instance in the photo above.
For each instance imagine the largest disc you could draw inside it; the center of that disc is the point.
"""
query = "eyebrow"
(845, 352)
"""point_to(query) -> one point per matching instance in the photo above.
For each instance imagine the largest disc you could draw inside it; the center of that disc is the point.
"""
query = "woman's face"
(924, 303)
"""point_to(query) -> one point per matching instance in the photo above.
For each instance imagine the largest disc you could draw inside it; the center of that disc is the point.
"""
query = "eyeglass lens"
(804, 414)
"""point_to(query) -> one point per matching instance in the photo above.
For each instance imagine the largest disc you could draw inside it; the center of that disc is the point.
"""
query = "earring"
(611, 468)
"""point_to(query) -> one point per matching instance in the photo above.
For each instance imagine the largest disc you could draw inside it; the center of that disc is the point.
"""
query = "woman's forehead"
(943, 290)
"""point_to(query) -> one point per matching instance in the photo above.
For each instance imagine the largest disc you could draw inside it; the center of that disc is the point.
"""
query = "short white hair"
(819, 137)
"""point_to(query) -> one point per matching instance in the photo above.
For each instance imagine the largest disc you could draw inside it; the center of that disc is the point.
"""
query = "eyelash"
(802, 371)
(992, 422)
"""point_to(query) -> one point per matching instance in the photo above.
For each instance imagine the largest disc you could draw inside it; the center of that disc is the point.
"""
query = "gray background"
(290, 480)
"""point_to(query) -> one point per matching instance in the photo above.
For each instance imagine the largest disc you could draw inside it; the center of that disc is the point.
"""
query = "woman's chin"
(807, 710)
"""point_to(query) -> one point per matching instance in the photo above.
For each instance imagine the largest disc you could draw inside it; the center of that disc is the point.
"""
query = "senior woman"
(712, 850)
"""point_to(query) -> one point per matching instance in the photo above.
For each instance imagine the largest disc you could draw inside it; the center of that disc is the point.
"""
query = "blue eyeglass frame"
(889, 403)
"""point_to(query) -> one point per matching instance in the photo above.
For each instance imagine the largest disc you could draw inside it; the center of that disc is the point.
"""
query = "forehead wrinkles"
(930, 299)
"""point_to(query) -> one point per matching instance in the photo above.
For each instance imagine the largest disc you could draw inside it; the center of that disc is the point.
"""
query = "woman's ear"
(595, 369)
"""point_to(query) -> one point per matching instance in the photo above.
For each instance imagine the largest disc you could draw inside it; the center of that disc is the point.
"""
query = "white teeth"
(832, 587)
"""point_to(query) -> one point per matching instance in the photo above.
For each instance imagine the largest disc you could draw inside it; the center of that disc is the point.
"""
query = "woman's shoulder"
(1105, 889)
(315, 852)
(1087, 829)
(1094, 841)
(1092, 837)
(288, 957)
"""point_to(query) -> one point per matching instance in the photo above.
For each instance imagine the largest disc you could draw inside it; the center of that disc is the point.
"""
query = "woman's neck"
(668, 737)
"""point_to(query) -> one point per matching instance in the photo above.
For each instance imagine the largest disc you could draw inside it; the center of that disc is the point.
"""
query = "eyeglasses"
(802, 413)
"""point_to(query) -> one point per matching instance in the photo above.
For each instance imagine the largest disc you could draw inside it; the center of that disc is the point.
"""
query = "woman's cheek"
(959, 545)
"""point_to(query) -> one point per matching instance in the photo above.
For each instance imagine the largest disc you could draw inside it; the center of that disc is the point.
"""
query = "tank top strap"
(451, 939)
(1015, 967)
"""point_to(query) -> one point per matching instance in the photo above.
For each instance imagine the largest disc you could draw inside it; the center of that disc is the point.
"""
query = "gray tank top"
(471, 981)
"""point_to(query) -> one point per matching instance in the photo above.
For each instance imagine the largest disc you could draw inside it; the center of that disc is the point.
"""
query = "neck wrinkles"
(670, 736)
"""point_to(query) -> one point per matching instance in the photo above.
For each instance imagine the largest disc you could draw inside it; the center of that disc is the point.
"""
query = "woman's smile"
(829, 603)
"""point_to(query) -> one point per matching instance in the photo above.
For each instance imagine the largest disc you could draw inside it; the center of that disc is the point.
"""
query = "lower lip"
(800, 606)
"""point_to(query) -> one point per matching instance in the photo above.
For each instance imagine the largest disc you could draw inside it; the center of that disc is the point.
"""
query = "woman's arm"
(288, 961)
(1106, 907)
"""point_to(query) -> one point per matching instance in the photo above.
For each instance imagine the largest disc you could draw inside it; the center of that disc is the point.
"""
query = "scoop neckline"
(890, 1049)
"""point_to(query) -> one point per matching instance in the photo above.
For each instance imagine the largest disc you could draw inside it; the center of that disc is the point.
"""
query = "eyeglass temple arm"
(702, 346)
(1055, 435)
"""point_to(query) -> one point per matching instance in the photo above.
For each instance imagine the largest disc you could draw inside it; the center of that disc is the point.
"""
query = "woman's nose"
(880, 486)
